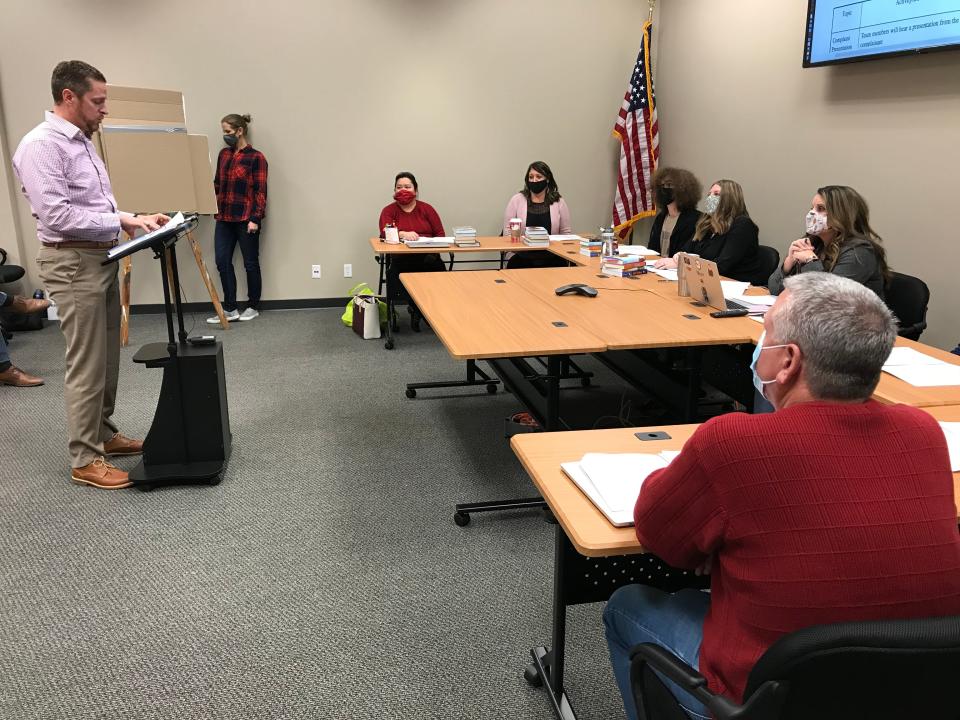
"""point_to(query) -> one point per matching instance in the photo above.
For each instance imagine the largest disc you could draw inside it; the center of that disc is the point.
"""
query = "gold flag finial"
(652, 4)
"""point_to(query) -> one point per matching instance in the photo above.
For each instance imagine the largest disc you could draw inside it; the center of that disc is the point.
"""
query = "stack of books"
(591, 248)
(536, 237)
(622, 265)
(465, 237)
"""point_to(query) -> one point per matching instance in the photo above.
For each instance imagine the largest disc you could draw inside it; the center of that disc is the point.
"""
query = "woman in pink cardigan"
(538, 205)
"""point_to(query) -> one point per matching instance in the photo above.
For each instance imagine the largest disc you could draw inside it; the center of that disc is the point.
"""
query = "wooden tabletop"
(487, 244)
(483, 314)
(630, 314)
(588, 529)
(892, 389)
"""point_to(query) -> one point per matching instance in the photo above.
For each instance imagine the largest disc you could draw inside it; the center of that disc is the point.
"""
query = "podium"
(189, 439)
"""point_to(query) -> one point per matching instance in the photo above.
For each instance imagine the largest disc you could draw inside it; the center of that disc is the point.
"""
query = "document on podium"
(146, 239)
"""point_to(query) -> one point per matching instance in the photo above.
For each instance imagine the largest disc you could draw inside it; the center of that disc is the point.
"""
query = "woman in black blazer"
(726, 235)
(676, 192)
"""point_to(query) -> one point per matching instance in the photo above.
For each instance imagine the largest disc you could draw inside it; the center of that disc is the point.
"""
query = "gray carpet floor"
(323, 578)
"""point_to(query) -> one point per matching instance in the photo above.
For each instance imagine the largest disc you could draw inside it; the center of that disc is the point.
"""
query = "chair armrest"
(764, 703)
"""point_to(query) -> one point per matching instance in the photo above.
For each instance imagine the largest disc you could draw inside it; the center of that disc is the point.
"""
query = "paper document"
(430, 242)
(619, 476)
(952, 432)
(561, 238)
(637, 250)
(733, 288)
(665, 273)
(767, 300)
(909, 356)
(926, 375)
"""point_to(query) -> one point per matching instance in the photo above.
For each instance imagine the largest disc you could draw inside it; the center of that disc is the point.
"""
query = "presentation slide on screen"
(841, 29)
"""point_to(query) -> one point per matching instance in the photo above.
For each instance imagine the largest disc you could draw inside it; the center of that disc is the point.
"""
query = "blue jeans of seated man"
(642, 614)
(226, 237)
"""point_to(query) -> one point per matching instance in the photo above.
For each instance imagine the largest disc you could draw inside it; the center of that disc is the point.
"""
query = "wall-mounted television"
(840, 31)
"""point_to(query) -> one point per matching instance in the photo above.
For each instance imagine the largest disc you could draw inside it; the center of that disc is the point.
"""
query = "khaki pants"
(87, 295)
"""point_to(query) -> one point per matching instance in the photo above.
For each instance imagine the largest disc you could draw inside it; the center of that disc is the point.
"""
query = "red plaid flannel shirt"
(241, 185)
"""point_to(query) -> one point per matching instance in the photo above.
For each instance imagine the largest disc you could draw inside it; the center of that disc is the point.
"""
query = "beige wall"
(734, 101)
(345, 94)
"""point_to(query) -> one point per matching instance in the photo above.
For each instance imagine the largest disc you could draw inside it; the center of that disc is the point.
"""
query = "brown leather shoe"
(24, 305)
(121, 445)
(101, 474)
(18, 378)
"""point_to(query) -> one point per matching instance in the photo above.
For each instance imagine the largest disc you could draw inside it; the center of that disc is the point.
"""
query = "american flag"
(638, 131)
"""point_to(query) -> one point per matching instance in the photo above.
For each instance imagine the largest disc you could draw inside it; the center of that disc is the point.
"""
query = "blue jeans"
(642, 614)
(226, 237)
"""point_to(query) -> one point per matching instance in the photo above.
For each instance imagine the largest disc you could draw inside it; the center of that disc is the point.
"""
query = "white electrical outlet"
(315, 272)
(348, 270)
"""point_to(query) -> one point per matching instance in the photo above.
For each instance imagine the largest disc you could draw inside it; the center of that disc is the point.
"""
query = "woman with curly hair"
(726, 234)
(839, 240)
(676, 192)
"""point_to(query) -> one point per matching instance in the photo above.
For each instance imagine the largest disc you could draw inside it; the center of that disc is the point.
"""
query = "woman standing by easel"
(241, 186)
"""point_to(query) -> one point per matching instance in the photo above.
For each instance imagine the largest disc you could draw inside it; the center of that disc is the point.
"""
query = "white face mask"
(759, 383)
(815, 222)
(711, 204)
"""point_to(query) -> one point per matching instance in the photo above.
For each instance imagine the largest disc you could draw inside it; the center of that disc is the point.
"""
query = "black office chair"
(908, 297)
(879, 670)
(769, 260)
(9, 273)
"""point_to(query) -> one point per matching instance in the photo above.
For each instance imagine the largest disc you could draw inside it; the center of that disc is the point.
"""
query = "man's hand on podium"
(147, 223)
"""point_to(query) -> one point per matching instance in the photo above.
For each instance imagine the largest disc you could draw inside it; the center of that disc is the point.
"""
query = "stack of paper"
(465, 236)
(536, 237)
(921, 370)
(612, 481)
(665, 273)
(622, 265)
(562, 238)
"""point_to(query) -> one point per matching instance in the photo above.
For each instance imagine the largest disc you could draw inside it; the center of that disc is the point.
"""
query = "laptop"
(700, 279)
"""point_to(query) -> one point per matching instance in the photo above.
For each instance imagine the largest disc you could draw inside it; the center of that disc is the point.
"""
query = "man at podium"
(66, 184)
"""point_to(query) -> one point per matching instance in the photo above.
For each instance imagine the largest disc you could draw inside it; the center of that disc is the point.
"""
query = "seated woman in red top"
(414, 219)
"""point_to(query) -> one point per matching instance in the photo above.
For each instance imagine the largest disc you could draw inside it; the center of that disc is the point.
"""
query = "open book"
(612, 481)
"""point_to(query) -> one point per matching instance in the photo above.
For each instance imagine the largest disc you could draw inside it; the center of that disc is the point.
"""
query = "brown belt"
(81, 245)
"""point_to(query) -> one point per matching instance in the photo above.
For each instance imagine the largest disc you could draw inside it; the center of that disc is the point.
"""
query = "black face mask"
(230, 140)
(664, 197)
(537, 186)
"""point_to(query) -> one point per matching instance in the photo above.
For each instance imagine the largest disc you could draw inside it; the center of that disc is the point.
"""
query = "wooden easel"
(126, 266)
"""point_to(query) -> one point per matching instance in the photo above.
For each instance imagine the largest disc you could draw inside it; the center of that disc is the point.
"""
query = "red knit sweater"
(423, 219)
(818, 513)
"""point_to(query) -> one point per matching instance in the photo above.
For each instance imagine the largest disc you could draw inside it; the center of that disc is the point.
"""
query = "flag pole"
(651, 4)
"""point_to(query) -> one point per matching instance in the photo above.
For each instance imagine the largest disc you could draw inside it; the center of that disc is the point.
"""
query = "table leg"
(694, 362)
(475, 376)
(547, 666)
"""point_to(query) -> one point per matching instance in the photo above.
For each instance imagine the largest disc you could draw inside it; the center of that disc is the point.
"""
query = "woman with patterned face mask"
(838, 240)
(538, 205)
(726, 234)
(413, 219)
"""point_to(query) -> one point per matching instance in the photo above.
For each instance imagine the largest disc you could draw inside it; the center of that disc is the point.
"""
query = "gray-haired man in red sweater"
(834, 508)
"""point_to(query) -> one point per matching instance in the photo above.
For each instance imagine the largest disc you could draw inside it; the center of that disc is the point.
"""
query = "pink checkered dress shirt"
(66, 184)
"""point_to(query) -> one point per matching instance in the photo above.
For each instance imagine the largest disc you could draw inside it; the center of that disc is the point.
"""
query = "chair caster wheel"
(388, 345)
(491, 389)
(461, 519)
(411, 393)
(531, 675)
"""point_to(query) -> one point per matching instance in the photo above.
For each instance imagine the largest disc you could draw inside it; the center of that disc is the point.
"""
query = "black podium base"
(189, 440)
(147, 477)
